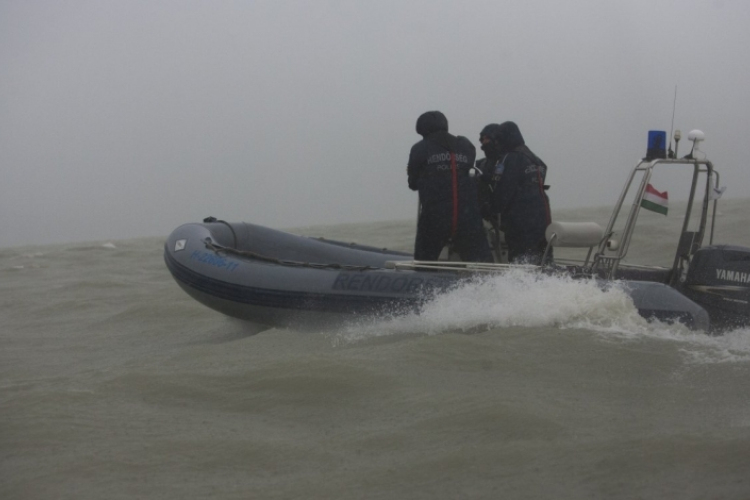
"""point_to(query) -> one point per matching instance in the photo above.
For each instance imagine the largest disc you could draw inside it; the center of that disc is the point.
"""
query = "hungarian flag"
(655, 201)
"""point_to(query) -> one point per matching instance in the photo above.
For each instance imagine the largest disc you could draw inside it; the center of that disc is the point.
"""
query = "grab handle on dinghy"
(211, 219)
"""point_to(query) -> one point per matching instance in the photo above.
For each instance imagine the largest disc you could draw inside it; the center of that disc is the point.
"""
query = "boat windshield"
(656, 235)
(657, 222)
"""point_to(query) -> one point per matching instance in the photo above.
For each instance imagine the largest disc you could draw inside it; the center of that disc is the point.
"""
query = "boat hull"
(277, 279)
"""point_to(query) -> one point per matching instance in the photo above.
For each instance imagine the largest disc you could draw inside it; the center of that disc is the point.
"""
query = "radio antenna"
(674, 106)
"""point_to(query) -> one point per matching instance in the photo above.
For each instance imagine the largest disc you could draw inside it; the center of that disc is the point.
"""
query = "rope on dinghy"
(291, 263)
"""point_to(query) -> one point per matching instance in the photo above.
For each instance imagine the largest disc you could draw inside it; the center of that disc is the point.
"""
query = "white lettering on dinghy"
(728, 275)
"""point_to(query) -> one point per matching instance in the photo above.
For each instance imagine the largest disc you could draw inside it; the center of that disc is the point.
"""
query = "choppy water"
(115, 384)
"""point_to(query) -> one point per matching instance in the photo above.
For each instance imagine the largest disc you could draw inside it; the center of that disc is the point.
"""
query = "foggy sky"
(121, 119)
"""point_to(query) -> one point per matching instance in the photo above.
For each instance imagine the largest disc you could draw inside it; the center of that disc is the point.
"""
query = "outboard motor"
(719, 280)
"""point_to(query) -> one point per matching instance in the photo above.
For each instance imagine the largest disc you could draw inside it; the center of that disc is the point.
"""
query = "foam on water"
(698, 347)
(520, 298)
(517, 298)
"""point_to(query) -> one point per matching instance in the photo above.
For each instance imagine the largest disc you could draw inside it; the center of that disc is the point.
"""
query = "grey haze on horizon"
(121, 119)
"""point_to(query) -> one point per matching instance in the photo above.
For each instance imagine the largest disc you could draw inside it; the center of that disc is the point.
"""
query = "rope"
(290, 263)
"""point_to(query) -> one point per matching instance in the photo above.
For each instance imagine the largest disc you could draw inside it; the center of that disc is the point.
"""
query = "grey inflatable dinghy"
(276, 279)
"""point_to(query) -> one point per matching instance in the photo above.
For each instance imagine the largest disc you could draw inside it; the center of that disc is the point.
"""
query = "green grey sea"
(114, 384)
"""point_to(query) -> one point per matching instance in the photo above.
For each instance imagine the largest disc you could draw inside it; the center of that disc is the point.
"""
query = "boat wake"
(517, 298)
(525, 299)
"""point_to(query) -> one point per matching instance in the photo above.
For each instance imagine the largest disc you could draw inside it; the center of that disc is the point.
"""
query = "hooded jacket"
(430, 172)
(519, 193)
(438, 168)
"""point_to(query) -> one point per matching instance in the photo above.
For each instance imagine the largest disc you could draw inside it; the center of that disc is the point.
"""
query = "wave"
(522, 299)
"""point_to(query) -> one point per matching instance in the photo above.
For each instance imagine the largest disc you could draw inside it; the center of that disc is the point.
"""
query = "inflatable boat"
(276, 279)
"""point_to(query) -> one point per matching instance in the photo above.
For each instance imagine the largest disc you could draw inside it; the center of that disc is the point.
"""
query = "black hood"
(490, 131)
(508, 136)
(491, 149)
(433, 126)
(431, 122)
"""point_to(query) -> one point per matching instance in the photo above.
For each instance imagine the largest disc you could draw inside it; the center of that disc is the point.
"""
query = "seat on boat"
(573, 235)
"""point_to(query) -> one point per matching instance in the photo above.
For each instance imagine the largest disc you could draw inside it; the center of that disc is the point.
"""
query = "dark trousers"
(526, 252)
(469, 241)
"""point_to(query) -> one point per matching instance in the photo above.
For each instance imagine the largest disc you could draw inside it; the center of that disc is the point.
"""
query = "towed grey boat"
(276, 279)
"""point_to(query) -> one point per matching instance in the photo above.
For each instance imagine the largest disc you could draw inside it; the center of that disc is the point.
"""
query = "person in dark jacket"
(515, 177)
(438, 168)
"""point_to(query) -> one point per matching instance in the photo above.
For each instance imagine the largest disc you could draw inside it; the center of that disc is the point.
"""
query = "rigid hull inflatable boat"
(312, 282)
(276, 279)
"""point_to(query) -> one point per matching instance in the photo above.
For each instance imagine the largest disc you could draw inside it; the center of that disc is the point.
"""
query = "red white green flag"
(655, 200)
